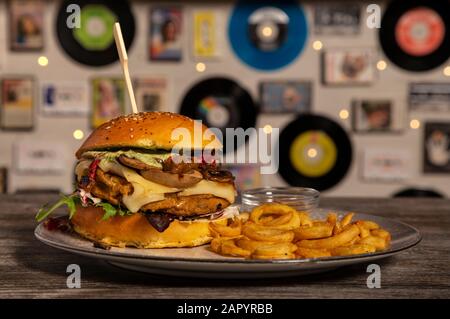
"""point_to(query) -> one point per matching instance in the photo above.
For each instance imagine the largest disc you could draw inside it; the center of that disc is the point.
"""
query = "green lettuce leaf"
(70, 201)
(111, 211)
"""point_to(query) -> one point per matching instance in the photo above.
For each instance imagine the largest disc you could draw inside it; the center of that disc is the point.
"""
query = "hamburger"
(133, 191)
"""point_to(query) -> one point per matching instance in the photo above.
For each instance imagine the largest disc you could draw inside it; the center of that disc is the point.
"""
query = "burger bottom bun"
(135, 231)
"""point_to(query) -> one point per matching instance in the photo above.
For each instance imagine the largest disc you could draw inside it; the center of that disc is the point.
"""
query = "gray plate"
(200, 262)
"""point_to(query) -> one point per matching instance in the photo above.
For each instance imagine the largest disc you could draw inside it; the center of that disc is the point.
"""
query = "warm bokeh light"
(267, 129)
(317, 45)
(200, 67)
(447, 71)
(414, 124)
(43, 61)
(78, 134)
(312, 152)
(344, 114)
(381, 65)
(267, 31)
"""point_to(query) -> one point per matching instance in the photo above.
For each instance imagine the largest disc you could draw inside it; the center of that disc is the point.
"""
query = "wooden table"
(29, 268)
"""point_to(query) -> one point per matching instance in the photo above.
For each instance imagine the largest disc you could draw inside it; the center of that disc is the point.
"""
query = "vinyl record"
(267, 35)
(415, 34)
(220, 103)
(92, 43)
(314, 152)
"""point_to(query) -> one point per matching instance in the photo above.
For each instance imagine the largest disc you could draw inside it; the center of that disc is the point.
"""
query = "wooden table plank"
(31, 269)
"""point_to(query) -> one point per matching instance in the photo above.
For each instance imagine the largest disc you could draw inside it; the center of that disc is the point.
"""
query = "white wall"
(391, 83)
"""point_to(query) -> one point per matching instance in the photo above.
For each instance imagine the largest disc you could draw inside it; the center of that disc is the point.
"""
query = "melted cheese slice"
(146, 191)
(221, 190)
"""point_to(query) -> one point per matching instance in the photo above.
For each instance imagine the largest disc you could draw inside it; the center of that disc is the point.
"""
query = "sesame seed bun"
(149, 130)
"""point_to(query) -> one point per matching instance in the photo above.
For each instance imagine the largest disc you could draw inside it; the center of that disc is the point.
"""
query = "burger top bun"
(149, 130)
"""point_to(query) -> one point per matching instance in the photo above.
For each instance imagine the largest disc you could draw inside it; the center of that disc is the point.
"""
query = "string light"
(312, 152)
(414, 124)
(78, 134)
(267, 129)
(447, 71)
(200, 67)
(381, 65)
(317, 45)
(267, 32)
(43, 61)
(344, 114)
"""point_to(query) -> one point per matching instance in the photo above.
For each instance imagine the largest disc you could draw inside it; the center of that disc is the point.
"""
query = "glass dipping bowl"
(301, 198)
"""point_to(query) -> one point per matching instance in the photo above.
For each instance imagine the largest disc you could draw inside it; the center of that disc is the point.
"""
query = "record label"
(415, 34)
(420, 31)
(96, 31)
(315, 152)
(268, 28)
(215, 111)
(267, 35)
(220, 103)
(92, 43)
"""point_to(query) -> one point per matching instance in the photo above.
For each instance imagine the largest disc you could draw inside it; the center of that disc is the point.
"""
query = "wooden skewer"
(124, 62)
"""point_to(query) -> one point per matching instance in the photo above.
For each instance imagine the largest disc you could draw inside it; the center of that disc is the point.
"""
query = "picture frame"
(348, 67)
(247, 176)
(17, 103)
(285, 96)
(385, 164)
(108, 99)
(64, 98)
(166, 34)
(429, 97)
(39, 157)
(151, 94)
(205, 35)
(436, 147)
(26, 24)
(338, 18)
(374, 116)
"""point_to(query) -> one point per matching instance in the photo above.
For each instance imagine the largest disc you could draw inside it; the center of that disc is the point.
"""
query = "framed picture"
(151, 94)
(386, 164)
(348, 66)
(108, 100)
(39, 157)
(247, 176)
(372, 116)
(3, 180)
(65, 98)
(205, 44)
(17, 103)
(165, 34)
(429, 97)
(26, 25)
(337, 18)
(285, 96)
(436, 147)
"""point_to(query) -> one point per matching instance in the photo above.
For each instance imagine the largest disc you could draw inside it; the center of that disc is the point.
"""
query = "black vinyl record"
(91, 41)
(315, 152)
(415, 34)
(220, 103)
